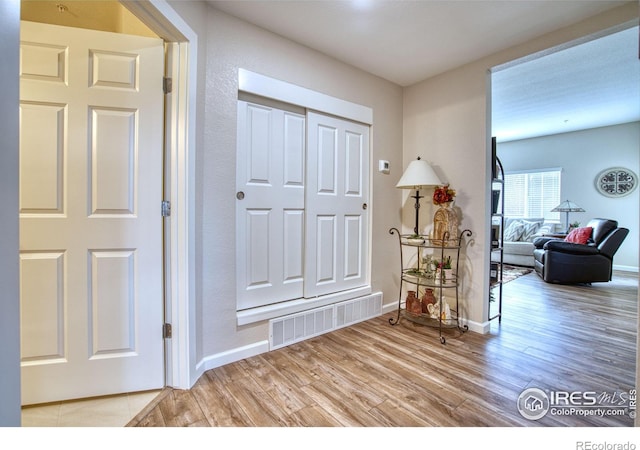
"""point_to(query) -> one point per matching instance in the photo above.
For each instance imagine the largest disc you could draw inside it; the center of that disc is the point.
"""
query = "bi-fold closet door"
(302, 215)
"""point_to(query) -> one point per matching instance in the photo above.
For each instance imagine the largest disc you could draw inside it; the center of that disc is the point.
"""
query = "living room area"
(577, 159)
(582, 169)
(583, 131)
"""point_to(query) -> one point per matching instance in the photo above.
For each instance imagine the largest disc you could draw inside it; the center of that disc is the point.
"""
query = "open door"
(91, 165)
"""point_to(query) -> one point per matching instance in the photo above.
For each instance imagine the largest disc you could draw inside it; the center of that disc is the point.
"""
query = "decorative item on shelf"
(413, 304)
(495, 201)
(493, 272)
(566, 207)
(495, 236)
(416, 273)
(415, 239)
(418, 175)
(445, 314)
(445, 220)
(427, 263)
(444, 271)
(427, 299)
(436, 313)
(448, 276)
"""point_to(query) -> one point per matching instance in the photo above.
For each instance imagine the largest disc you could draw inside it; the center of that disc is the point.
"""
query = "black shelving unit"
(497, 239)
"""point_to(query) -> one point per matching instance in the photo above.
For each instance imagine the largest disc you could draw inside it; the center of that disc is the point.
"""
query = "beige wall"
(232, 44)
(446, 122)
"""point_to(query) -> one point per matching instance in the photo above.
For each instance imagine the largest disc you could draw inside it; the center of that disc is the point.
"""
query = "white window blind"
(532, 194)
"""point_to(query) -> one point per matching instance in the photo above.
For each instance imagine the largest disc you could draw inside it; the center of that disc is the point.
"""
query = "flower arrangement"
(443, 194)
(444, 264)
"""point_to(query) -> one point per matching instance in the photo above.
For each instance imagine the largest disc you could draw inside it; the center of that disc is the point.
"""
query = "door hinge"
(166, 208)
(167, 85)
(166, 331)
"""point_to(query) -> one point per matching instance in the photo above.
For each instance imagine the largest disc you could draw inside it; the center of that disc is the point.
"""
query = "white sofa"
(519, 234)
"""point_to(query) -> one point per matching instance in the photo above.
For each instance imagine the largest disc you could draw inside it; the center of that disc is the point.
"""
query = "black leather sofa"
(558, 261)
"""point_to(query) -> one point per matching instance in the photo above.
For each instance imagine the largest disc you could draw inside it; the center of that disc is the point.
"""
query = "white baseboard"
(230, 356)
(477, 327)
(389, 307)
(625, 268)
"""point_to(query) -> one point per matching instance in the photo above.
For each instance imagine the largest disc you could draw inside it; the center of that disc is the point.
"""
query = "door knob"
(240, 195)
(364, 206)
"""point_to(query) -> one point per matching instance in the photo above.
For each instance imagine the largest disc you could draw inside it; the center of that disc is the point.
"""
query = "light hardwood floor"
(372, 374)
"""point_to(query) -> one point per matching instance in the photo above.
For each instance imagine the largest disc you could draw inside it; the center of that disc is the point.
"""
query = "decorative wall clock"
(616, 182)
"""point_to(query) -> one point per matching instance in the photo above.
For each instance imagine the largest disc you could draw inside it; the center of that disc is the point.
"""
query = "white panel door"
(270, 205)
(90, 225)
(337, 194)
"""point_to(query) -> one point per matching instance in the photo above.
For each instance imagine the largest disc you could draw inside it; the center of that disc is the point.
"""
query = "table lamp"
(566, 207)
(418, 175)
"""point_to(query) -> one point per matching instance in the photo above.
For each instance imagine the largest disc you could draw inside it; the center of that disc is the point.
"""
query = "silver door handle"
(364, 206)
(240, 195)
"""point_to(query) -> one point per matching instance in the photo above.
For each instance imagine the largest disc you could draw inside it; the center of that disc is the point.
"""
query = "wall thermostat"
(383, 166)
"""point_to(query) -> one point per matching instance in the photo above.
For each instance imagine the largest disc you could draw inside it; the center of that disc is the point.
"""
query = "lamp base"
(417, 207)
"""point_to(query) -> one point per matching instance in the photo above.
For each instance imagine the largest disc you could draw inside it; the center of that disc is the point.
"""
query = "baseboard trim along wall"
(231, 356)
(477, 327)
(625, 268)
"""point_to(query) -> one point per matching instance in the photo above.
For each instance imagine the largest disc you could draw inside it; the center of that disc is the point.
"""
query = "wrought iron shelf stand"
(420, 276)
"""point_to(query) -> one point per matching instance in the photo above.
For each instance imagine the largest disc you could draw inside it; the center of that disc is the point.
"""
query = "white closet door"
(270, 205)
(337, 227)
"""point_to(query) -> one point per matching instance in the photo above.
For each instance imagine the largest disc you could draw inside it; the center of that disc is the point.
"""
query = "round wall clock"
(616, 182)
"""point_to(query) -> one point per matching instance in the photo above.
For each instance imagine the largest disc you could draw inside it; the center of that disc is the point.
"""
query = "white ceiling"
(590, 85)
(594, 84)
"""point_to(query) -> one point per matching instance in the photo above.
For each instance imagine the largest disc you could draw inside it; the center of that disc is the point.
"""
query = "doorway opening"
(179, 141)
(561, 129)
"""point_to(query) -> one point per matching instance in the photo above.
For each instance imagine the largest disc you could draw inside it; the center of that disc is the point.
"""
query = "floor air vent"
(294, 328)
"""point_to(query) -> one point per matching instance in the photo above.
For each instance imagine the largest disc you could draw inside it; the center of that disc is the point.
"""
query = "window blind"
(532, 194)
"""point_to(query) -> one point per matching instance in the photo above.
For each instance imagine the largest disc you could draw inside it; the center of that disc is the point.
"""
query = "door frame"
(180, 132)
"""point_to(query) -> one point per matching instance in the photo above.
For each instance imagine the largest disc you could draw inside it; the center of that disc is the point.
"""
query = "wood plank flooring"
(372, 374)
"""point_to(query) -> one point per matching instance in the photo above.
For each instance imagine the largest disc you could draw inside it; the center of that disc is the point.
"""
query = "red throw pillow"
(579, 235)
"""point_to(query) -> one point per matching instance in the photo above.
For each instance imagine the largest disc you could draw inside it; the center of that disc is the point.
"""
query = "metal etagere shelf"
(421, 276)
(496, 258)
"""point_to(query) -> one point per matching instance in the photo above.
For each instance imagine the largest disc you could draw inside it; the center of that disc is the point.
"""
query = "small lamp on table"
(566, 207)
(418, 175)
